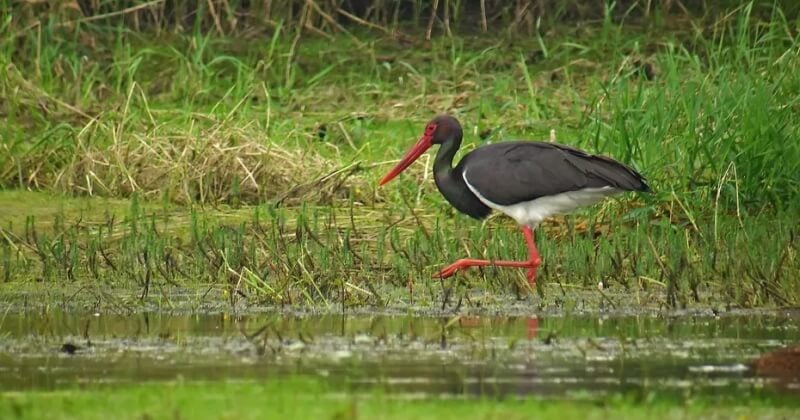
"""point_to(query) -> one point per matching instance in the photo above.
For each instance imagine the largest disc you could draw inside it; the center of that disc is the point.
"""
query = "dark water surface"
(557, 355)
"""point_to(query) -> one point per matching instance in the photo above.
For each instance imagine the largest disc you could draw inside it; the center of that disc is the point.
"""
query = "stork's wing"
(516, 171)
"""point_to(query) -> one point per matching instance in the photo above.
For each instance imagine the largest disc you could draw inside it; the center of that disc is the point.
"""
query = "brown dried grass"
(322, 17)
(213, 167)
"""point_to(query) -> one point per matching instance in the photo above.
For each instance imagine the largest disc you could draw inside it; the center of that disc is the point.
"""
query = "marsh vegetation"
(234, 148)
(245, 154)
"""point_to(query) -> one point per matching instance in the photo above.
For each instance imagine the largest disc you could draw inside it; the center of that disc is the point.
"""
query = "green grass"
(318, 255)
(720, 112)
(209, 147)
(303, 398)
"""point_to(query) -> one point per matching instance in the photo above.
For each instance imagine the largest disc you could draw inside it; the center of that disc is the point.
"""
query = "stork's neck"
(443, 164)
(451, 182)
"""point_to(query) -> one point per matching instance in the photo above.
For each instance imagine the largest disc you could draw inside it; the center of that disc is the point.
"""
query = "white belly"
(531, 213)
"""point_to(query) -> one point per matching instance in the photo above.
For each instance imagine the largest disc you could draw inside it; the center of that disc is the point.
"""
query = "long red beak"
(422, 145)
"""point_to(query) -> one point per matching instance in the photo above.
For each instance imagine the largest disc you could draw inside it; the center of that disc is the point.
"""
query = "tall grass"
(721, 110)
(448, 17)
(324, 256)
(209, 110)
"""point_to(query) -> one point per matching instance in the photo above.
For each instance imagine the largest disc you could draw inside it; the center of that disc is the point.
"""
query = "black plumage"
(515, 171)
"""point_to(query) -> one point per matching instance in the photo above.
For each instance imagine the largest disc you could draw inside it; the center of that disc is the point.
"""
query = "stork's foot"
(449, 271)
(461, 264)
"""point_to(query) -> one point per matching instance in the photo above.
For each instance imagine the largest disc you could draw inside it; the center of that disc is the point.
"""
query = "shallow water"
(552, 356)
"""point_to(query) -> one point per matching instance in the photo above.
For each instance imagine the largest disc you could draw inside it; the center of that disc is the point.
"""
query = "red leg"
(531, 264)
(534, 260)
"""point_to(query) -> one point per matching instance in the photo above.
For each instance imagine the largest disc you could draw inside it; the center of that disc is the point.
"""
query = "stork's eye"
(430, 129)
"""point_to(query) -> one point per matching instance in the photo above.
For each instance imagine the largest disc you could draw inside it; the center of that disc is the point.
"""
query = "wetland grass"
(324, 255)
(249, 162)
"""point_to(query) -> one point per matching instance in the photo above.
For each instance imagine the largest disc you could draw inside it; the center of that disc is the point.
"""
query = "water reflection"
(438, 355)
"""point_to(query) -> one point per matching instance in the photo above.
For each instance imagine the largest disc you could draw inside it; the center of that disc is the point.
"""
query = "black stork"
(527, 180)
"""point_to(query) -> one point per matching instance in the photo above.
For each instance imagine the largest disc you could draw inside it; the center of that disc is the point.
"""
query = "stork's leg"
(531, 264)
(533, 255)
